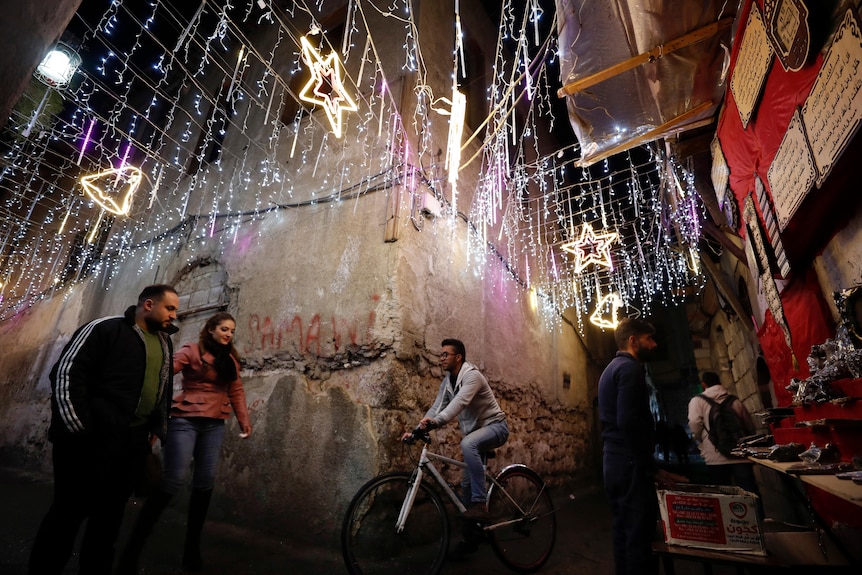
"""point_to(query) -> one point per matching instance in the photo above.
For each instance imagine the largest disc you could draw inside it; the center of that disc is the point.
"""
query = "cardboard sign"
(712, 517)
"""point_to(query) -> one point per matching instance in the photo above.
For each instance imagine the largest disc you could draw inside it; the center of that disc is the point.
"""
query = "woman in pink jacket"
(211, 390)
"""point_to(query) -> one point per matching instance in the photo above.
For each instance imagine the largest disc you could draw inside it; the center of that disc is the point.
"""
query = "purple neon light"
(86, 140)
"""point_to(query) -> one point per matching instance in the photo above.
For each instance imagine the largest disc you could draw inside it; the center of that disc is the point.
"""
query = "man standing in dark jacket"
(628, 430)
(111, 390)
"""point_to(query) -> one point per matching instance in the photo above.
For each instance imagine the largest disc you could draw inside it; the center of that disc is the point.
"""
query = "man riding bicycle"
(464, 393)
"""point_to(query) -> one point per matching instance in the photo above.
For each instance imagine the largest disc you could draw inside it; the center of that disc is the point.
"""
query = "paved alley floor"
(583, 545)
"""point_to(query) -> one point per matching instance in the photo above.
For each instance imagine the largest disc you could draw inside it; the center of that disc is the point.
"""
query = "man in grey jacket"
(465, 394)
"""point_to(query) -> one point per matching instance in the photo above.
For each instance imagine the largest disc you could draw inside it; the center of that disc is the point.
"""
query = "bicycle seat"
(486, 455)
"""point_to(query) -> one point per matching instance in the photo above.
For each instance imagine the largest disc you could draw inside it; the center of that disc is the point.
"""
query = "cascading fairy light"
(520, 214)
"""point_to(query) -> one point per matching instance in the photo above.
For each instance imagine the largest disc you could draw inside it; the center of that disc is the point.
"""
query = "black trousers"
(93, 480)
(634, 508)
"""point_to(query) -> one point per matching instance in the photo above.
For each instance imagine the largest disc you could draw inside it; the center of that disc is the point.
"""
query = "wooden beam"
(726, 291)
(669, 126)
(719, 235)
(685, 40)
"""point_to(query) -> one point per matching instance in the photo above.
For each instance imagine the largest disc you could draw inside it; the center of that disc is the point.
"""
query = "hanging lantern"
(58, 66)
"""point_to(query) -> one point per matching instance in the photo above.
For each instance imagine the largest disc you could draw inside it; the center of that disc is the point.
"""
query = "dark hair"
(154, 292)
(631, 327)
(710, 378)
(458, 345)
(205, 337)
(223, 355)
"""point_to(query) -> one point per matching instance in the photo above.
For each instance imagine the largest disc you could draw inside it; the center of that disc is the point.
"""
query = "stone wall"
(839, 266)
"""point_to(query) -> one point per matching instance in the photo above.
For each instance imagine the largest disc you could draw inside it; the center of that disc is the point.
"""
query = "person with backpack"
(718, 420)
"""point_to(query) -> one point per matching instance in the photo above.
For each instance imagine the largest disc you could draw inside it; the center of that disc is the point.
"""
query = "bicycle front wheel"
(370, 542)
(525, 524)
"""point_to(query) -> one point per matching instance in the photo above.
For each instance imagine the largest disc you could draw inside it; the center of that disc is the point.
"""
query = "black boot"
(147, 518)
(198, 505)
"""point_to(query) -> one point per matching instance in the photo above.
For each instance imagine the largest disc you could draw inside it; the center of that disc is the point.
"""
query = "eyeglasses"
(446, 355)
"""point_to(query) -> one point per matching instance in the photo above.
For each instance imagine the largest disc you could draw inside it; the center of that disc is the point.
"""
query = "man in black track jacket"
(111, 390)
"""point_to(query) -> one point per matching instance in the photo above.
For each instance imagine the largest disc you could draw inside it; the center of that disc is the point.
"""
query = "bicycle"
(398, 524)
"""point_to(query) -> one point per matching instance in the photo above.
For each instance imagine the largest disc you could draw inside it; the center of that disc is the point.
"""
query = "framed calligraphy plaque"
(792, 172)
(720, 171)
(787, 29)
(752, 65)
(833, 109)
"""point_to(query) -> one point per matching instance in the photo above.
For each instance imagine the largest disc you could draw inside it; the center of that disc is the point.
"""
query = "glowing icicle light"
(106, 192)
(326, 72)
(453, 148)
(382, 104)
(125, 158)
(86, 140)
(605, 315)
(269, 106)
(591, 248)
(235, 77)
(92, 237)
(156, 186)
(65, 219)
(295, 137)
(695, 261)
(364, 54)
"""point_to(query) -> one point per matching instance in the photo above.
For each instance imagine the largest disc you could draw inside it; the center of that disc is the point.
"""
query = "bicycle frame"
(519, 524)
(426, 460)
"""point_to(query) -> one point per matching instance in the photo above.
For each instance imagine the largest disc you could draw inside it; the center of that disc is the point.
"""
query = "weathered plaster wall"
(839, 266)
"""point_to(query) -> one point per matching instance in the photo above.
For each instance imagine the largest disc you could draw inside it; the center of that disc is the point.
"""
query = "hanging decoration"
(453, 148)
(763, 270)
(58, 66)
(113, 189)
(591, 248)
(226, 141)
(325, 87)
(605, 315)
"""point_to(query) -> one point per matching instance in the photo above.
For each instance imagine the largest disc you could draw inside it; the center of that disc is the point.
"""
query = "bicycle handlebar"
(419, 434)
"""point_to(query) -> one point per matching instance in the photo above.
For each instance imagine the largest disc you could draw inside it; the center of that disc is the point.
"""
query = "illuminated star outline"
(591, 248)
(326, 71)
(130, 176)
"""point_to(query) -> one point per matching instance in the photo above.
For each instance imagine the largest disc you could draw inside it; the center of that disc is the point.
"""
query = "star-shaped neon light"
(113, 189)
(605, 315)
(591, 248)
(325, 87)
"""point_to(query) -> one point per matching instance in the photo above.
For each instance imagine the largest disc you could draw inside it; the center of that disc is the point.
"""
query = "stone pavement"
(583, 544)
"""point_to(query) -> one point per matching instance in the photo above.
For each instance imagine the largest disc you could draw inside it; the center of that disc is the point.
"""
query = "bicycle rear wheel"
(524, 513)
(370, 543)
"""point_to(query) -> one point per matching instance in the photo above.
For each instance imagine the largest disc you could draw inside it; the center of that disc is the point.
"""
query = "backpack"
(725, 428)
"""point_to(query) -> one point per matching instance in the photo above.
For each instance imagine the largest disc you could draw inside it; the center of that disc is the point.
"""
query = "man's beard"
(644, 355)
(154, 326)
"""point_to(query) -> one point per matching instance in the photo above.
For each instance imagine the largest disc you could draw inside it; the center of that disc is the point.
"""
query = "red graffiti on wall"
(292, 333)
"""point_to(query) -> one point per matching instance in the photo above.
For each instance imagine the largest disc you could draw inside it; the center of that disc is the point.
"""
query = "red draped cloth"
(810, 324)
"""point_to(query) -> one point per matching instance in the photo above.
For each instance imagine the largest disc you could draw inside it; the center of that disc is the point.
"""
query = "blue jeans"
(197, 438)
(472, 446)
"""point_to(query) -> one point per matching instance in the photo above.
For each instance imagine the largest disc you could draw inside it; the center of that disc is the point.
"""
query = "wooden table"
(787, 550)
(782, 547)
(798, 486)
(707, 558)
(843, 488)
